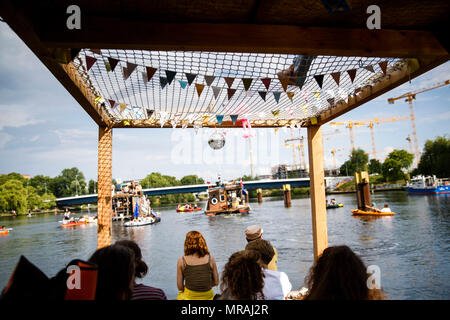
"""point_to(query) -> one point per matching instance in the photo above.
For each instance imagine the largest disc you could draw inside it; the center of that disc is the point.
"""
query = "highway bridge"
(249, 185)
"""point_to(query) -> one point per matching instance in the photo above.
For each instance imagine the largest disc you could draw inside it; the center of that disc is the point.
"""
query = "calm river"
(411, 248)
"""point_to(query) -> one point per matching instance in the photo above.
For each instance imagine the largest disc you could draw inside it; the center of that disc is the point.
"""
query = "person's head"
(242, 276)
(253, 233)
(195, 244)
(386, 205)
(115, 272)
(338, 274)
(141, 267)
(264, 248)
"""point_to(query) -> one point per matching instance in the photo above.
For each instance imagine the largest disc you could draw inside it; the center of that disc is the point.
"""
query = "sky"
(43, 130)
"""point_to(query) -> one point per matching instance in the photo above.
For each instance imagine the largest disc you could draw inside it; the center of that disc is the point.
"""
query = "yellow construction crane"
(410, 96)
(300, 144)
(370, 123)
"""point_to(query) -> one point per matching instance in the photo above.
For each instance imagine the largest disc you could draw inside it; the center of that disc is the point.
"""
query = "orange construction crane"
(410, 96)
(370, 124)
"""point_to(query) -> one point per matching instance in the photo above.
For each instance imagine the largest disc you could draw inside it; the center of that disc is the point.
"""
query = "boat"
(226, 199)
(5, 232)
(427, 185)
(142, 221)
(357, 212)
(333, 206)
(78, 222)
(188, 210)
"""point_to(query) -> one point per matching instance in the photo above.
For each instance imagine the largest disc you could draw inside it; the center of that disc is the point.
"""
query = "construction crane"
(333, 153)
(410, 96)
(370, 124)
(300, 146)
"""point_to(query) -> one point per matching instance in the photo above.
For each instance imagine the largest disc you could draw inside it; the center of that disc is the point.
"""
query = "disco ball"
(216, 140)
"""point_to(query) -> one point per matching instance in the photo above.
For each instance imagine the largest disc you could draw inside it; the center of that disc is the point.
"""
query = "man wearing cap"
(254, 233)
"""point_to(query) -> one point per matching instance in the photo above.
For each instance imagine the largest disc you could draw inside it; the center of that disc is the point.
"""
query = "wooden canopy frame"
(253, 28)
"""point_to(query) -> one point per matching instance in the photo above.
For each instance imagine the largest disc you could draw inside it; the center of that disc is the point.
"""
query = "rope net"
(294, 91)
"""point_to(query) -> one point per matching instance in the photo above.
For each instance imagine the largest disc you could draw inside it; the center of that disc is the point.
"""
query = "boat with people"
(358, 212)
(4, 231)
(72, 222)
(333, 204)
(142, 221)
(227, 198)
(188, 208)
(427, 185)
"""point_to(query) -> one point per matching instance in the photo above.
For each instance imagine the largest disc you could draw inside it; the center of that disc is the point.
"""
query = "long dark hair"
(115, 272)
(141, 267)
(339, 274)
(243, 277)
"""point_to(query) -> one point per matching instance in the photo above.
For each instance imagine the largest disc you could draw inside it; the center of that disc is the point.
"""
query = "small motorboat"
(357, 212)
(142, 222)
(78, 222)
(188, 210)
(334, 206)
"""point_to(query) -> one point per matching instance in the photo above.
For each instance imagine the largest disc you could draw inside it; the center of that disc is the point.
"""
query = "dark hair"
(195, 244)
(339, 274)
(264, 248)
(243, 277)
(141, 267)
(115, 272)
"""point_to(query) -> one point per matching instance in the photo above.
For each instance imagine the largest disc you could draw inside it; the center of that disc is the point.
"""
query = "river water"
(410, 248)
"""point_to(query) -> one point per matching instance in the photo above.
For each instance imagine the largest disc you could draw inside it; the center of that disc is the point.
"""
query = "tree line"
(434, 160)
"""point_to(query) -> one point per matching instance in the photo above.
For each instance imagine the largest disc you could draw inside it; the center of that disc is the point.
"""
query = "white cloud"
(15, 116)
(4, 139)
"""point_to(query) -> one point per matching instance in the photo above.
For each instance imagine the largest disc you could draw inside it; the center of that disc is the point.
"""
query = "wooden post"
(259, 193)
(287, 195)
(317, 190)
(104, 187)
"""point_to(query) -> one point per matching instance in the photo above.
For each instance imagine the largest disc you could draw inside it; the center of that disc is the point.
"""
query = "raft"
(333, 206)
(143, 222)
(357, 212)
(188, 210)
(4, 232)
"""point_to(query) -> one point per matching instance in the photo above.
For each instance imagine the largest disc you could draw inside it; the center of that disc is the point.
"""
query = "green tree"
(68, 183)
(48, 201)
(12, 176)
(435, 158)
(156, 179)
(34, 200)
(40, 183)
(375, 166)
(356, 163)
(92, 186)
(191, 179)
(395, 164)
(13, 196)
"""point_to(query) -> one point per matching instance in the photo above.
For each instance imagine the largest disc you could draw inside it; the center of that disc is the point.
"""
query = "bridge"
(249, 185)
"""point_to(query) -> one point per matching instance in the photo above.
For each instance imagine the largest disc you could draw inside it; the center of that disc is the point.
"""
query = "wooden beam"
(234, 37)
(104, 201)
(67, 74)
(317, 190)
(390, 81)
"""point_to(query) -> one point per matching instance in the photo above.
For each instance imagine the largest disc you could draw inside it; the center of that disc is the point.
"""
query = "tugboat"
(427, 185)
(227, 199)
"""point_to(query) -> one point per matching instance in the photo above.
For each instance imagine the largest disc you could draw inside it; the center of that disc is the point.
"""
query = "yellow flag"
(316, 94)
(122, 107)
(205, 119)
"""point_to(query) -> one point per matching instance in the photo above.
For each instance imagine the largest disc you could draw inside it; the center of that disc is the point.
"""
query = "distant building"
(285, 172)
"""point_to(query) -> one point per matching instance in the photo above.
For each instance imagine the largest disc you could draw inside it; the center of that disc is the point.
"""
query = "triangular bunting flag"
(290, 110)
(247, 83)
(336, 76)
(112, 103)
(90, 62)
(229, 81)
(113, 63)
(126, 122)
(304, 108)
(284, 82)
(234, 118)
(319, 80)
(275, 113)
(199, 88)
(170, 76)
(266, 82)
(107, 66)
(123, 106)
(300, 81)
(205, 119)
(209, 80)
(331, 101)
(219, 118)
(316, 94)
(231, 93)
(262, 94)
(150, 72)
(277, 95)
(149, 113)
(369, 68)
(183, 84)
(184, 125)
(352, 74)
(131, 67)
(190, 77)
(162, 117)
(276, 130)
(216, 91)
(290, 95)
(163, 82)
(173, 123)
(383, 66)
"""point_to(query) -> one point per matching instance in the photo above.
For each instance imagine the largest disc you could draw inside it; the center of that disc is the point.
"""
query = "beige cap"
(253, 232)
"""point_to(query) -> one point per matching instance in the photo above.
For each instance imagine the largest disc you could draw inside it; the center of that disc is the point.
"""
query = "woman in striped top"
(141, 291)
(196, 270)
